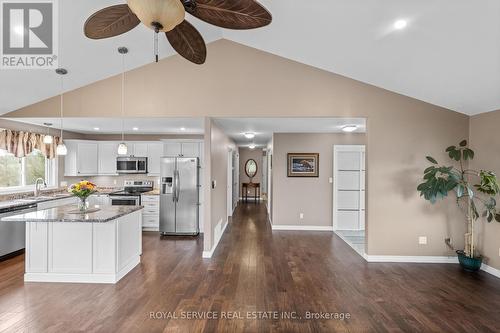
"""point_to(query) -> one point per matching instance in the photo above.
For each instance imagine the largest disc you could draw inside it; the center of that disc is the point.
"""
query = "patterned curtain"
(22, 143)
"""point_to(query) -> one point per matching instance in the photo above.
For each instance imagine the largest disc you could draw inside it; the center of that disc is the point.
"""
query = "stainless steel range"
(131, 194)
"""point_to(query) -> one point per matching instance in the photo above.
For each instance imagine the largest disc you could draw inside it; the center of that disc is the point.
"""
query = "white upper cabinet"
(190, 149)
(81, 159)
(187, 149)
(155, 153)
(108, 152)
(139, 149)
(87, 161)
(172, 149)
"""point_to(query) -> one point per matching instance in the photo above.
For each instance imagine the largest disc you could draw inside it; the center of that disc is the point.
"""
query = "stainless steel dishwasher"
(12, 234)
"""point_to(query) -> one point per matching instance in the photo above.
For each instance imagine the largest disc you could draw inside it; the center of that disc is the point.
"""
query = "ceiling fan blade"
(110, 21)
(188, 42)
(230, 14)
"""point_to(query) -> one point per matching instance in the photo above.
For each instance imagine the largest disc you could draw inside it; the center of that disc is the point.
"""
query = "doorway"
(349, 194)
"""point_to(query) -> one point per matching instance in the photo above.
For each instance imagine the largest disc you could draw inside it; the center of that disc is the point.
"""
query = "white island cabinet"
(100, 247)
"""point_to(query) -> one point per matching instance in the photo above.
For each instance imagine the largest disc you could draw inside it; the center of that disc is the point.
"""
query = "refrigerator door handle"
(177, 185)
(174, 191)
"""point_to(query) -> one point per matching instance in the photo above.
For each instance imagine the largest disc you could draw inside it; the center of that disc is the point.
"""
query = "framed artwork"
(303, 165)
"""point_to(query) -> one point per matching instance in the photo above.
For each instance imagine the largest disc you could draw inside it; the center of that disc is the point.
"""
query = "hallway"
(256, 270)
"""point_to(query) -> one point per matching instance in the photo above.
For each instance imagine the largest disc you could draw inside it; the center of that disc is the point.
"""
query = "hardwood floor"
(252, 270)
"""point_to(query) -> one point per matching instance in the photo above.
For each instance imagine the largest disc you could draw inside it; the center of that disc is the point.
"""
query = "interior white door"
(229, 183)
(349, 187)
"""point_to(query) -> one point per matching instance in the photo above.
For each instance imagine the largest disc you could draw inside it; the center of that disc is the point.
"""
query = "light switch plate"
(330, 180)
(422, 240)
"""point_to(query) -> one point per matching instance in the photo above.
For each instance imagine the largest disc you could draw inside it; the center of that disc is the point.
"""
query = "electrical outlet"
(422, 240)
(499, 251)
(301, 215)
(330, 180)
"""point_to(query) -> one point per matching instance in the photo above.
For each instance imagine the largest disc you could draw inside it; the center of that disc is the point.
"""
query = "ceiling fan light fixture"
(163, 15)
(249, 135)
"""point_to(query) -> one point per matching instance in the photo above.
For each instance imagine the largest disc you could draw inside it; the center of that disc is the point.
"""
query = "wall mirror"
(251, 168)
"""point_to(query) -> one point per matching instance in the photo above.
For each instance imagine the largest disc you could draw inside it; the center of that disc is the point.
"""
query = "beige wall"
(311, 196)
(252, 83)
(245, 155)
(485, 141)
(219, 148)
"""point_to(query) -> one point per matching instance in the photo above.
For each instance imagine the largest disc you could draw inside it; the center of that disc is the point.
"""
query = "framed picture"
(303, 165)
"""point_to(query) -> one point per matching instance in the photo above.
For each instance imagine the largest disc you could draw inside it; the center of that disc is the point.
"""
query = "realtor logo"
(29, 34)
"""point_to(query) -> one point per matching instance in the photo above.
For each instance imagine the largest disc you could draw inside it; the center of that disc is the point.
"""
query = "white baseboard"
(209, 254)
(427, 260)
(83, 278)
(493, 271)
(412, 259)
(301, 227)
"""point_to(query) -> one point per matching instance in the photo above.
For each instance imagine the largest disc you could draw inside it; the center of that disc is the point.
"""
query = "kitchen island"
(97, 247)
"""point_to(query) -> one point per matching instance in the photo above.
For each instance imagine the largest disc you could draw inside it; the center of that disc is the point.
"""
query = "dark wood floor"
(254, 270)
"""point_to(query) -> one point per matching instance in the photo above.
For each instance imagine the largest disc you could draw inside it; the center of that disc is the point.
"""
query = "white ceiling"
(114, 125)
(449, 55)
(264, 128)
(86, 60)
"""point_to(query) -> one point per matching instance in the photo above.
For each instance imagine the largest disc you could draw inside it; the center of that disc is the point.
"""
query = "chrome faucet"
(38, 182)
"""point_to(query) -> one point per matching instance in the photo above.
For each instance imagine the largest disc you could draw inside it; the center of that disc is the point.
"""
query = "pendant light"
(48, 139)
(61, 149)
(122, 147)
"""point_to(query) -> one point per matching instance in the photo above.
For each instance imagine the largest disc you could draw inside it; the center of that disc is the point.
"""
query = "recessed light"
(252, 146)
(183, 129)
(400, 24)
(96, 128)
(135, 129)
(349, 128)
(249, 135)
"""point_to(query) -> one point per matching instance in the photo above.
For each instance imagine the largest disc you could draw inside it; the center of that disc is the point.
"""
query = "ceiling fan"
(168, 16)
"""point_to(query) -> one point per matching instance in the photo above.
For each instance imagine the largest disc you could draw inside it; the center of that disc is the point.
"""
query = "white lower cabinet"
(151, 212)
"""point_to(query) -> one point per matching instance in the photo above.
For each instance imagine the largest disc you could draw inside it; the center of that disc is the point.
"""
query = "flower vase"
(83, 205)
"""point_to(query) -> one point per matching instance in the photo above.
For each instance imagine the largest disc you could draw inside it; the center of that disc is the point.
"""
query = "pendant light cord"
(123, 97)
(62, 107)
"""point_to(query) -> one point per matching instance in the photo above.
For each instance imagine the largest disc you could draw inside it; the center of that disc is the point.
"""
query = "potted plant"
(82, 190)
(475, 192)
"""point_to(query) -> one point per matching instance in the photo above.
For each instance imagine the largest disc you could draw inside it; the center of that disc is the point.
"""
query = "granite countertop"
(23, 199)
(64, 214)
(153, 192)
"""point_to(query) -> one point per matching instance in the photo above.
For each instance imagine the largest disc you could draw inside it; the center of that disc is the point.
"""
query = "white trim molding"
(209, 254)
(493, 271)
(426, 260)
(412, 259)
(302, 227)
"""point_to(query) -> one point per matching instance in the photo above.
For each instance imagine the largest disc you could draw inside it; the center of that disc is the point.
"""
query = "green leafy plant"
(479, 198)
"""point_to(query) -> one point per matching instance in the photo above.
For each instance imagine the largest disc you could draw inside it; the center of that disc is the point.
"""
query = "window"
(20, 173)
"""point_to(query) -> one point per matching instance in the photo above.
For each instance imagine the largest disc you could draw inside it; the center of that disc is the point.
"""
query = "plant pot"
(469, 264)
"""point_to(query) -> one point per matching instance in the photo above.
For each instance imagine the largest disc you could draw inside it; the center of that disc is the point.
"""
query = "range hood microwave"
(131, 165)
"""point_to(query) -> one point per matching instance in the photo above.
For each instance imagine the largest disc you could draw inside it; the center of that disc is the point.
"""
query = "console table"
(244, 191)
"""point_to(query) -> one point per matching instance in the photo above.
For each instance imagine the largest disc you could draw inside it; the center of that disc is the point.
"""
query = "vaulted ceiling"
(449, 54)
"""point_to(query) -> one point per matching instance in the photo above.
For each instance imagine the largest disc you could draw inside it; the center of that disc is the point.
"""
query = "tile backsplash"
(112, 181)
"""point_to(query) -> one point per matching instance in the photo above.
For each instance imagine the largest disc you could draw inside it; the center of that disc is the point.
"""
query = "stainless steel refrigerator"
(179, 196)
